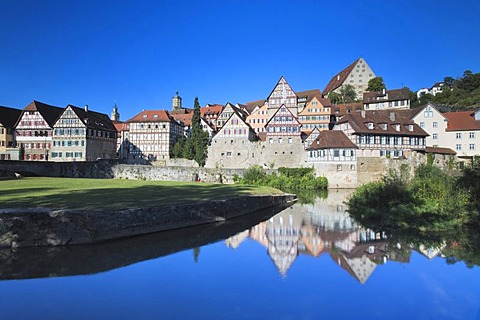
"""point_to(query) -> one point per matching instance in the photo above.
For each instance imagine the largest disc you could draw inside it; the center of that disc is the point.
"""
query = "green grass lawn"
(61, 193)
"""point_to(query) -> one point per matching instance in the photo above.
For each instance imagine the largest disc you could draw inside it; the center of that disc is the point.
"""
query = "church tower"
(177, 103)
(115, 115)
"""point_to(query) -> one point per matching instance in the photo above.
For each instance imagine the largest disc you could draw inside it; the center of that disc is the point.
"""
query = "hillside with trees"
(462, 93)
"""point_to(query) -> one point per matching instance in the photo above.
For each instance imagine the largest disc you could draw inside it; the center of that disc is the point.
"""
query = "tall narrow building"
(115, 115)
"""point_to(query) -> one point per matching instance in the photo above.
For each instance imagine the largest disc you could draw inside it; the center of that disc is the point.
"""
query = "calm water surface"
(309, 261)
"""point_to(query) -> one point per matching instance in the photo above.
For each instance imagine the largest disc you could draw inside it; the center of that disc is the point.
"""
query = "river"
(308, 261)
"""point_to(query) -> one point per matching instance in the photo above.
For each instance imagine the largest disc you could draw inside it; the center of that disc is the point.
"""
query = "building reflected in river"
(315, 229)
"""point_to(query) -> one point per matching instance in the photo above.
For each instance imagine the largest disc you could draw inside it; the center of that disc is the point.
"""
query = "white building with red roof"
(153, 134)
(463, 132)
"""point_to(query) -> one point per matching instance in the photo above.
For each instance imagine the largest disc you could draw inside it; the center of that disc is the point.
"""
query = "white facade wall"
(435, 124)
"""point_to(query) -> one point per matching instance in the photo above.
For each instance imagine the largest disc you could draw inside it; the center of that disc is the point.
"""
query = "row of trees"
(193, 147)
(460, 93)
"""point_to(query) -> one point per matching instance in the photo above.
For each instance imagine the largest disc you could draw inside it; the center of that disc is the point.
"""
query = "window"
(458, 135)
(352, 167)
(422, 124)
(339, 167)
(471, 146)
(458, 147)
(435, 136)
(336, 153)
(289, 140)
(270, 140)
(471, 135)
(229, 153)
(435, 124)
(428, 113)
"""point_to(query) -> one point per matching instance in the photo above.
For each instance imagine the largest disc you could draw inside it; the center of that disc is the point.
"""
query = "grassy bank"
(61, 193)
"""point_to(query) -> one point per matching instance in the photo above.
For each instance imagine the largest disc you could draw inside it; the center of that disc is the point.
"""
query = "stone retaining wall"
(46, 227)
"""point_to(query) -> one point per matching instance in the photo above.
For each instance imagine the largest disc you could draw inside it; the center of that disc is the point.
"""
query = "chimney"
(338, 77)
(392, 116)
(86, 108)
(383, 91)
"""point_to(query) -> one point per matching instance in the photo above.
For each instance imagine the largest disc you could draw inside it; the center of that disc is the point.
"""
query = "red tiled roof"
(338, 79)
(120, 126)
(440, 150)
(332, 139)
(358, 122)
(211, 110)
(185, 118)
(152, 116)
(461, 120)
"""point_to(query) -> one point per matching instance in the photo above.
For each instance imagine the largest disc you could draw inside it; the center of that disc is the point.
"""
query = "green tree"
(177, 150)
(334, 97)
(347, 94)
(199, 138)
(376, 84)
(449, 81)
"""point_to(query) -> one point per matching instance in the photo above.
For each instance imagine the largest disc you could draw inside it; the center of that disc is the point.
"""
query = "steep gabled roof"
(295, 119)
(338, 79)
(9, 116)
(329, 139)
(48, 112)
(94, 120)
(461, 120)
(359, 121)
(278, 82)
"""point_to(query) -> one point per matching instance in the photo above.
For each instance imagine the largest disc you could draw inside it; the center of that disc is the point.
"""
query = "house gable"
(283, 122)
(282, 94)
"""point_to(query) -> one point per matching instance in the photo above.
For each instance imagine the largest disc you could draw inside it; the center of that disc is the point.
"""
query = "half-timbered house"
(33, 130)
(153, 134)
(83, 135)
(282, 95)
(383, 133)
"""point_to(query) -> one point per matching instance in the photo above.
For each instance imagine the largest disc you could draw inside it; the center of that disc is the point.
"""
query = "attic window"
(410, 127)
(370, 125)
(144, 116)
(397, 127)
(383, 126)
(155, 115)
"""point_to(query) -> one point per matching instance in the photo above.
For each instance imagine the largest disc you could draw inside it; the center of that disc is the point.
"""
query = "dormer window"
(397, 127)
(410, 127)
(383, 126)
(370, 125)
(144, 116)
(155, 116)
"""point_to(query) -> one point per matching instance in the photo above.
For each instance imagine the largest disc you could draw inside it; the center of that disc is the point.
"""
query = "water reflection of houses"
(321, 227)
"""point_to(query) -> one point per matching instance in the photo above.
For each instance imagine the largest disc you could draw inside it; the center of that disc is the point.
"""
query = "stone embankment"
(48, 227)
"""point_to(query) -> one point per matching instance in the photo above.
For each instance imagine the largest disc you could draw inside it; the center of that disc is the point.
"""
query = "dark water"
(309, 261)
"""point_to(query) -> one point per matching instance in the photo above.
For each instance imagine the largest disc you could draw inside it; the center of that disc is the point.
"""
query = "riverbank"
(56, 212)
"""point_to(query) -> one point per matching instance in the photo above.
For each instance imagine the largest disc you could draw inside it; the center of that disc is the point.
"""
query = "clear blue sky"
(140, 53)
